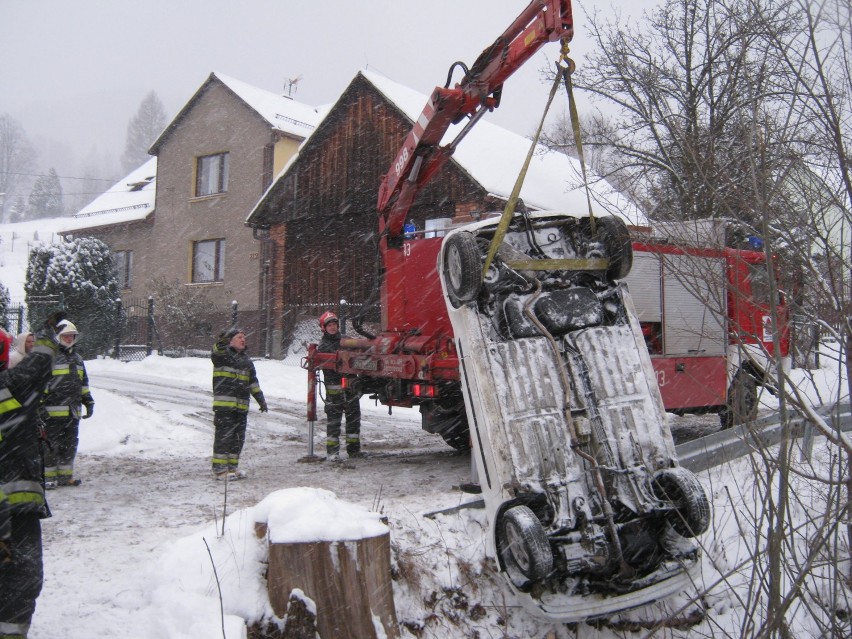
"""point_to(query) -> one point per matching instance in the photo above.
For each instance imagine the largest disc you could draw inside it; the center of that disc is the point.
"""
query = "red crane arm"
(479, 91)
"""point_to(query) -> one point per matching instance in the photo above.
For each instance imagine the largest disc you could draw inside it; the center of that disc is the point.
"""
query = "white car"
(589, 512)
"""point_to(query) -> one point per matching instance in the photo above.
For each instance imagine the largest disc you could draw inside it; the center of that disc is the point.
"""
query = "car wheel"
(681, 488)
(462, 268)
(613, 233)
(741, 406)
(523, 546)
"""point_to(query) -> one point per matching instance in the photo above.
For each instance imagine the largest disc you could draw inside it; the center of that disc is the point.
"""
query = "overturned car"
(589, 512)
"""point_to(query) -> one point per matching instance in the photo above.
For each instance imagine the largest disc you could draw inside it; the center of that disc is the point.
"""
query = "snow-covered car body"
(588, 511)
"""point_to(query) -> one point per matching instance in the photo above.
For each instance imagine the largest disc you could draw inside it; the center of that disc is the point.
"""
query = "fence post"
(20, 319)
(235, 311)
(149, 338)
(118, 330)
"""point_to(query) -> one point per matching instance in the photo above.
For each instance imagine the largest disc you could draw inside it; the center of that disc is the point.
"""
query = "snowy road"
(144, 496)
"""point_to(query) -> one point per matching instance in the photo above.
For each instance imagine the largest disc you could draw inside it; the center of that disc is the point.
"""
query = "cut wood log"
(349, 581)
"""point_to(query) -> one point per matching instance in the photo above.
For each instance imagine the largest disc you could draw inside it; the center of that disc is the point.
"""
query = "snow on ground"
(126, 553)
(130, 554)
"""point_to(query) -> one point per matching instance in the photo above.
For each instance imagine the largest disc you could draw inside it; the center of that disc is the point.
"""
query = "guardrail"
(727, 445)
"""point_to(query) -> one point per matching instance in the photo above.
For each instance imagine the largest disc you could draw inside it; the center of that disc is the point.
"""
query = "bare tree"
(743, 109)
(142, 130)
(676, 83)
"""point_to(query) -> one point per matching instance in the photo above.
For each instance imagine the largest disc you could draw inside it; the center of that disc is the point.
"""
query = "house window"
(124, 263)
(208, 261)
(268, 166)
(211, 174)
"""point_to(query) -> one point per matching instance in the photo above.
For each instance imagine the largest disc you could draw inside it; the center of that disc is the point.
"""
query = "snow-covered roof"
(493, 156)
(131, 199)
(282, 113)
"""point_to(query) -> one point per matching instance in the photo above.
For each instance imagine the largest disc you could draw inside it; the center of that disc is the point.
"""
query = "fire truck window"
(758, 279)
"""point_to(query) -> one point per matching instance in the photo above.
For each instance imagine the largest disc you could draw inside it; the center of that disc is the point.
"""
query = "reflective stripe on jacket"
(69, 387)
(234, 379)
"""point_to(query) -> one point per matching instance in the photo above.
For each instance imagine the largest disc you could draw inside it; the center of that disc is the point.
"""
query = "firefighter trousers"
(339, 402)
(21, 577)
(63, 435)
(228, 439)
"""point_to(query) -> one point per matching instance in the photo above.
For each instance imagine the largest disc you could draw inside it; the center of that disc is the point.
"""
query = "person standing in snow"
(64, 398)
(339, 401)
(234, 380)
(22, 501)
(21, 346)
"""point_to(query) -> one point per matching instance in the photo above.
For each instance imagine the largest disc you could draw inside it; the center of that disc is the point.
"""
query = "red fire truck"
(702, 295)
(704, 357)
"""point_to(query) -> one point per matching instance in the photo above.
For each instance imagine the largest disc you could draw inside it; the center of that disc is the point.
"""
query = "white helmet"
(67, 328)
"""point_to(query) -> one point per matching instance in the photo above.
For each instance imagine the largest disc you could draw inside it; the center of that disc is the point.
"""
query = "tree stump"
(349, 581)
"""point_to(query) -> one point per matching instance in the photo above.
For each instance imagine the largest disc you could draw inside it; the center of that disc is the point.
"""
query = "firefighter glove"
(263, 407)
(90, 410)
(52, 321)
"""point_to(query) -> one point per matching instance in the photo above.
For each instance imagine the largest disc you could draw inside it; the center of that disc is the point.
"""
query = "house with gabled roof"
(320, 213)
(213, 162)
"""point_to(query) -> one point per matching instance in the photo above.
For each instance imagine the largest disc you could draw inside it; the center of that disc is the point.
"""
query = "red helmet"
(327, 317)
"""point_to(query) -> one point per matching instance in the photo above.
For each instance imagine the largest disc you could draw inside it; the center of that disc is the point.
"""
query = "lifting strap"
(564, 72)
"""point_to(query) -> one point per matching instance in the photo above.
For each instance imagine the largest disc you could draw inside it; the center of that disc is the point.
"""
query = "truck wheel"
(613, 233)
(741, 407)
(462, 268)
(449, 423)
(457, 437)
(523, 546)
(691, 516)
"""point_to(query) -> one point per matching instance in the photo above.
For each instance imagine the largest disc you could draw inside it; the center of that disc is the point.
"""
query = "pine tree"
(18, 212)
(84, 274)
(46, 197)
(17, 158)
(142, 130)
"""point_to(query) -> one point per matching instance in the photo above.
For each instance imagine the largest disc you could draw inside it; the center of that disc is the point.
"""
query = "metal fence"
(15, 319)
(148, 329)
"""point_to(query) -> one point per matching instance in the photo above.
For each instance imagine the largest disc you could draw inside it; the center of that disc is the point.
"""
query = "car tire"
(523, 546)
(681, 488)
(615, 237)
(742, 404)
(462, 268)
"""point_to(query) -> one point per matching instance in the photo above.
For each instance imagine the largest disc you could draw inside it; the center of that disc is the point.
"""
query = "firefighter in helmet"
(234, 382)
(339, 400)
(61, 410)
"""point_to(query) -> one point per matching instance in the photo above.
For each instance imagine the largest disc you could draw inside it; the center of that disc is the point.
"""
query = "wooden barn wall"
(329, 199)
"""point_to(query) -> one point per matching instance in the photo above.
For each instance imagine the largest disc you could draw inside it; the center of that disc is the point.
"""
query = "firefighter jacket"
(330, 344)
(21, 388)
(234, 379)
(68, 388)
(334, 380)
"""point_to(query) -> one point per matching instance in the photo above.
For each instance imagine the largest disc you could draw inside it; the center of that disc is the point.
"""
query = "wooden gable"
(327, 200)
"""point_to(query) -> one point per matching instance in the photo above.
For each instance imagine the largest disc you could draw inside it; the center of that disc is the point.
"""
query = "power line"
(64, 177)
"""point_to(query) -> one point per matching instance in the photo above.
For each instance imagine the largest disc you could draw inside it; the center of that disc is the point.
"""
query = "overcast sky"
(75, 71)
